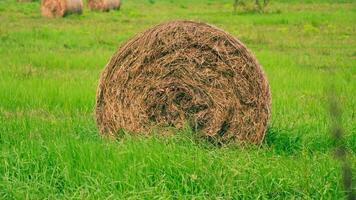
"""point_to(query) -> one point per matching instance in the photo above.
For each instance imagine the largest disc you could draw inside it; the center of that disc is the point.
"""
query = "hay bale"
(103, 5)
(60, 8)
(184, 71)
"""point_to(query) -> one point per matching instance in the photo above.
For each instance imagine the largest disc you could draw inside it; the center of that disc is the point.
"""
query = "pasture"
(50, 147)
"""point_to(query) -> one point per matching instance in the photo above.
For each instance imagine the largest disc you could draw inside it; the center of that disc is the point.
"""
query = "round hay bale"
(60, 8)
(184, 71)
(103, 5)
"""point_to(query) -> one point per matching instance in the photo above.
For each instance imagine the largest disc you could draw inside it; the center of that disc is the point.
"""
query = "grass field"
(50, 147)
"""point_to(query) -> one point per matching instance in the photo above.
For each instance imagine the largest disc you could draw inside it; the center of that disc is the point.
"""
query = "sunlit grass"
(50, 147)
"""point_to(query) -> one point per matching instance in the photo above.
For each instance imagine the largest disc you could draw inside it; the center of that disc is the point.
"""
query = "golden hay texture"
(103, 5)
(185, 71)
(60, 8)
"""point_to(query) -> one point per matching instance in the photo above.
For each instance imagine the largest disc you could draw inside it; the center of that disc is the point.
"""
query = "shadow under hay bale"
(104, 5)
(60, 8)
(185, 71)
(26, 1)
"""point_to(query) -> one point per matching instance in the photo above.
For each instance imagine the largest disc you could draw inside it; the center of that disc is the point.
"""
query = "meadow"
(50, 147)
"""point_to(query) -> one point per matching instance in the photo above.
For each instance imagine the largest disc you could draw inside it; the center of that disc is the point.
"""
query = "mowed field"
(50, 147)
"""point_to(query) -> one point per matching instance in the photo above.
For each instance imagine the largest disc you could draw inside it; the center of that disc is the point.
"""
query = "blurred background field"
(49, 68)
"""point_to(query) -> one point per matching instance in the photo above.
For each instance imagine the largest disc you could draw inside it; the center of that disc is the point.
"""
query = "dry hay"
(60, 8)
(103, 5)
(185, 71)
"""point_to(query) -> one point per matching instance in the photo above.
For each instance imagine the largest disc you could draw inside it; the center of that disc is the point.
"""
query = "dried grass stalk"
(60, 8)
(185, 71)
(103, 5)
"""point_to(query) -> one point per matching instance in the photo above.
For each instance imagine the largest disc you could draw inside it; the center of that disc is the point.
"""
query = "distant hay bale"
(185, 71)
(60, 8)
(103, 5)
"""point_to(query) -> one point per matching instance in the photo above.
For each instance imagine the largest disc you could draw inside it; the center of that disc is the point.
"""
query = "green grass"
(49, 68)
